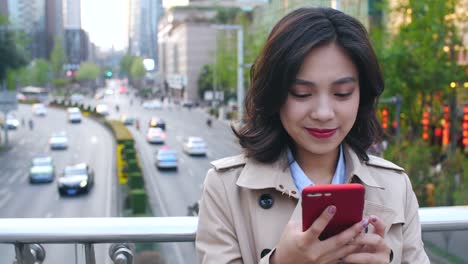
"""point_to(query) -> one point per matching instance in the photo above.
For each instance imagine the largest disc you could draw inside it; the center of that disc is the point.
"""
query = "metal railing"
(27, 234)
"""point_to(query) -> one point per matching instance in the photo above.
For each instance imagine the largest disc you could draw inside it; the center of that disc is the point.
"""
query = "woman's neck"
(319, 168)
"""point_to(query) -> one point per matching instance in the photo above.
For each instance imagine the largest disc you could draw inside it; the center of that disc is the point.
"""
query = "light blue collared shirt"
(301, 180)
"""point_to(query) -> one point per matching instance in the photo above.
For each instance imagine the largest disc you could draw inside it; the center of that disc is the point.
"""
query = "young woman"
(310, 117)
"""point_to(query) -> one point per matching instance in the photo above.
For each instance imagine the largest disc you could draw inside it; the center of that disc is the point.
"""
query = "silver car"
(58, 141)
(195, 146)
(42, 170)
(166, 158)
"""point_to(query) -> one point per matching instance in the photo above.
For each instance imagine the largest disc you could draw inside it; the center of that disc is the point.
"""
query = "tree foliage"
(58, 58)
(418, 60)
(225, 67)
(88, 72)
(126, 64)
(205, 80)
(12, 55)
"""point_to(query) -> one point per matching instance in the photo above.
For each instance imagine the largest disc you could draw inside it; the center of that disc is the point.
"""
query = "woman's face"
(322, 102)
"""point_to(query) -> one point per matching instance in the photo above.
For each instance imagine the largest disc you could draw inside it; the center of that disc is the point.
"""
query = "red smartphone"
(347, 198)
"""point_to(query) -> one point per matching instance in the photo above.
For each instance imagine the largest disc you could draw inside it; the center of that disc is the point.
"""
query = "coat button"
(265, 252)
(265, 201)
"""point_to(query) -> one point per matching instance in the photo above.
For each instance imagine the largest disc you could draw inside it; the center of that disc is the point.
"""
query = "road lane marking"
(12, 179)
(5, 199)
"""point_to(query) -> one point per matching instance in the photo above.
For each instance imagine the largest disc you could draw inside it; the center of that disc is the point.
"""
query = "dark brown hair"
(262, 134)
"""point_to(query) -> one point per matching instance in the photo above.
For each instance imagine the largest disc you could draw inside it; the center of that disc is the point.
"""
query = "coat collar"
(357, 168)
(257, 175)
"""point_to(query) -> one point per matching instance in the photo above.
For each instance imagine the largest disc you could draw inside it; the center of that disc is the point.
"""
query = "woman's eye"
(343, 94)
(299, 95)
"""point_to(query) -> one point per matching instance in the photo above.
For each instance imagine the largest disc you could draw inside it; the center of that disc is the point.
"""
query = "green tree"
(12, 55)
(57, 58)
(126, 64)
(137, 71)
(39, 72)
(88, 72)
(418, 61)
(205, 80)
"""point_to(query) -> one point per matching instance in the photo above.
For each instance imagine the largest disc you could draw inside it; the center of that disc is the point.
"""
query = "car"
(99, 96)
(75, 179)
(194, 146)
(109, 91)
(39, 109)
(42, 170)
(153, 104)
(102, 109)
(155, 135)
(77, 97)
(74, 115)
(11, 122)
(58, 141)
(157, 122)
(166, 158)
(127, 120)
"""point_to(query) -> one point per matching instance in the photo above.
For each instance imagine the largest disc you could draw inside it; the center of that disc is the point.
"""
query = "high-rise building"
(72, 14)
(29, 16)
(54, 23)
(4, 8)
(144, 16)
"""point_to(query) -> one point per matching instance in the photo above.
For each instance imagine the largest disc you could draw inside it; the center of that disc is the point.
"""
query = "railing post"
(121, 253)
(89, 253)
(29, 253)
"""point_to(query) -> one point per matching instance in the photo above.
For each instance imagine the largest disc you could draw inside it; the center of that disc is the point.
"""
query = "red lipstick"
(321, 133)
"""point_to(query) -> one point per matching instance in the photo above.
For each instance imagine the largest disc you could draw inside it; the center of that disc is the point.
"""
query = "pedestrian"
(31, 124)
(309, 120)
(137, 124)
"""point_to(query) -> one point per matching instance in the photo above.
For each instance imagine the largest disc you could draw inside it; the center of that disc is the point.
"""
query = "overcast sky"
(106, 22)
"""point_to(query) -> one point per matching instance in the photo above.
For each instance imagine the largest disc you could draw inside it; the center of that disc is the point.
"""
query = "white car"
(39, 109)
(74, 114)
(102, 109)
(154, 104)
(155, 135)
(58, 141)
(77, 97)
(11, 122)
(195, 146)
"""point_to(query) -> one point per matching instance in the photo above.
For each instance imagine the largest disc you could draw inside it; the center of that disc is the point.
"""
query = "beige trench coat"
(245, 206)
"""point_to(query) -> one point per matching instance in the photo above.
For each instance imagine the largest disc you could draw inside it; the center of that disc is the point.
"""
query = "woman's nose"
(322, 110)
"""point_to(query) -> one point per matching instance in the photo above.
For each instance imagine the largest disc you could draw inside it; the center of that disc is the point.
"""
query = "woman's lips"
(321, 133)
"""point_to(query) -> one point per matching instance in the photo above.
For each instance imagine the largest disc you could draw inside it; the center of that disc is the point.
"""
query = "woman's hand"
(296, 246)
(371, 247)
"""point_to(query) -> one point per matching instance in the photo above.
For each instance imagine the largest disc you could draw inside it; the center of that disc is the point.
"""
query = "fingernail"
(364, 223)
(373, 219)
(331, 210)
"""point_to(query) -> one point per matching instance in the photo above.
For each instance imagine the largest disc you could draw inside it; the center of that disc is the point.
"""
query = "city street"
(171, 192)
(89, 142)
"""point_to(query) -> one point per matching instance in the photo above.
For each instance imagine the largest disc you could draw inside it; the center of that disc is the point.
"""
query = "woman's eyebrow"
(348, 79)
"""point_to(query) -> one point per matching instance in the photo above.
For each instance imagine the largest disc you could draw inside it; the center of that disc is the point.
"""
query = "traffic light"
(109, 74)
(384, 118)
(465, 126)
(425, 124)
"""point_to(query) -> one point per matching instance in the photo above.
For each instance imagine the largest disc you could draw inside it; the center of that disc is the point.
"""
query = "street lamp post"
(240, 66)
